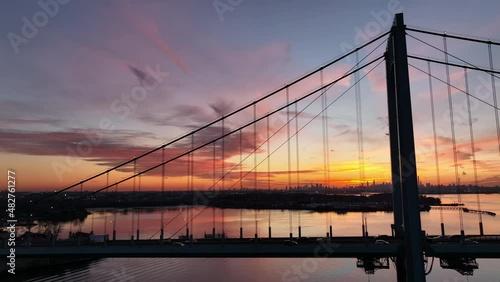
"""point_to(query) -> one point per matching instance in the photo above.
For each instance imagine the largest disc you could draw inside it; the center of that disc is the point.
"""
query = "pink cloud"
(150, 31)
(377, 79)
(112, 151)
(445, 149)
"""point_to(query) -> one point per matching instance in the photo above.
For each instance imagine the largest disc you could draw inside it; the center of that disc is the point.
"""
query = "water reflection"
(148, 221)
(464, 266)
(244, 270)
(176, 220)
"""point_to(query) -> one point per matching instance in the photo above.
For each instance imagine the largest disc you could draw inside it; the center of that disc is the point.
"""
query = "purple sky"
(61, 81)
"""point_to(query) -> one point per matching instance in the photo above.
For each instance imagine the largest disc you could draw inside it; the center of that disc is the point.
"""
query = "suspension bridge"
(247, 147)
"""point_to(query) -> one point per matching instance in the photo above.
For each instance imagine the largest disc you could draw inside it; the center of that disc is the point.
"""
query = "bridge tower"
(407, 225)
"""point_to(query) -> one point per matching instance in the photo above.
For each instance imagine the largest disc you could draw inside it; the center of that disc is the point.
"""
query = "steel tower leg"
(406, 205)
(397, 202)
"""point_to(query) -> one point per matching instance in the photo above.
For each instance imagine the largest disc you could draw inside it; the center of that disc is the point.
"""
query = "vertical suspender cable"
(359, 119)
(138, 212)
(138, 223)
(359, 122)
(241, 181)
(436, 155)
(327, 143)
(222, 157)
(289, 160)
(81, 193)
(135, 165)
(255, 145)
(213, 208)
(191, 185)
(493, 89)
(162, 190)
(222, 172)
(187, 192)
(105, 212)
(268, 173)
(139, 185)
(297, 144)
(327, 148)
(288, 139)
(255, 157)
(298, 159)
(452, 123)
(114, 216)
(323, 126)
(473, 152)
(163, 170)
(241, 159)
(133, 225)
(268, 156)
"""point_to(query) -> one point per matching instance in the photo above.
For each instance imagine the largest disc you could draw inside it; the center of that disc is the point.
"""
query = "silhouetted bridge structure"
(337, 247)
(408, 245)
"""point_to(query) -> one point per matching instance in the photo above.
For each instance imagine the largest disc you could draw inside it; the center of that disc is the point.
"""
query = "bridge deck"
(213, 250)
(490, 250)
(252, 249)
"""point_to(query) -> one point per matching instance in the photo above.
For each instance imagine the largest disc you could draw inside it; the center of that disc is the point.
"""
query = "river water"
(261, 269)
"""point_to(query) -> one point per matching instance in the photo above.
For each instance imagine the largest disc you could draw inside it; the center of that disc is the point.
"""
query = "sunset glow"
(71, 104)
